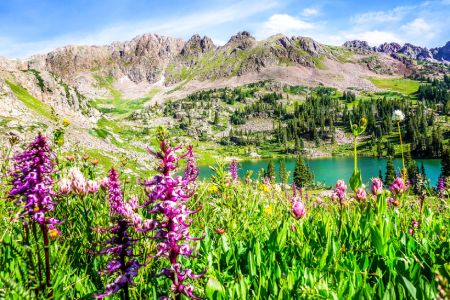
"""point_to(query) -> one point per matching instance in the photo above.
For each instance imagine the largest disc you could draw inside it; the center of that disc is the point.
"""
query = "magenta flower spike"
(361, 195)
(377, 186)
(32, 184)
(123, 266)
(398, 187)
(234, 171)
(168, 197)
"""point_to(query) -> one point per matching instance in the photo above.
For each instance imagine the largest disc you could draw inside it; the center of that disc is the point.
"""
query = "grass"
(31, 102)
(404, 86)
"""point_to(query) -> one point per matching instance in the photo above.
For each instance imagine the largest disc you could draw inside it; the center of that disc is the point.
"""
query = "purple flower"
(398, 187)
(119, 246)
(361, 195)
(299, 210)
(169, 197)
(377, 186)
(32, 183)
(233, 171)
(441, 185)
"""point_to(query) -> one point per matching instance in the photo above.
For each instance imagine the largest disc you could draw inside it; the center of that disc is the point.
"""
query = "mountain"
(441, 54)
(110, 91)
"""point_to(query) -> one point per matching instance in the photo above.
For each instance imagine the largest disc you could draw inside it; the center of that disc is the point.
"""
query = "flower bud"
(377, 186)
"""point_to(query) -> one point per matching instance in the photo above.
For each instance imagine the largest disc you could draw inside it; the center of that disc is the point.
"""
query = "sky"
(29, 27)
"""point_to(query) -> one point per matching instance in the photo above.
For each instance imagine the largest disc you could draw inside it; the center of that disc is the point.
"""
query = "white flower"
(398, 116)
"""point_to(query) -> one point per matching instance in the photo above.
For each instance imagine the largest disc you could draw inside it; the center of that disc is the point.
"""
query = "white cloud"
(417, 26)
(374, 38)
(310, 12)
(285, 24)
(127, 30)
(218, 42)
(395, 14)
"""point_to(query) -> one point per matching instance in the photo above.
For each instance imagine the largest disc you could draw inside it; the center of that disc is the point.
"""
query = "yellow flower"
(319, 215)
(265, 188)
(66, 122)
(213, 189)
(54, 233)
(59, 142)
(94, 161)
(268, 210)
(363, 121)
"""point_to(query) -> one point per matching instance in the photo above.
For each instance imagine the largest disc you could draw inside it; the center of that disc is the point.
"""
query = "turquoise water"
(331, 169)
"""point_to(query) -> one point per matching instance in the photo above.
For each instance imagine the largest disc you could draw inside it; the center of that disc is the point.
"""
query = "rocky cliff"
(441, 54)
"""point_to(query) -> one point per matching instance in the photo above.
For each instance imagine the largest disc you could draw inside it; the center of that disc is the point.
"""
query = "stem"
(340, 221)
(38, 256)
(356, 161)
(403, 159)
(47, 257)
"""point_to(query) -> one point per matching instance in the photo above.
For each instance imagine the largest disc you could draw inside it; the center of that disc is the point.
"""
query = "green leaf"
(411, 289)
(214, 286)
(356, 180)
(378, 241)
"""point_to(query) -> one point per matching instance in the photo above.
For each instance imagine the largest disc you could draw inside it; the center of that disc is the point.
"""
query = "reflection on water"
(330, 169)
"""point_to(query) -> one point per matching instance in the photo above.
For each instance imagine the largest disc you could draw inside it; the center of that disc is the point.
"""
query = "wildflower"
(340, 185)
(92, 186)
(85, 157)
(334, 197)
(119, 247)
(398, 186)
(265, 188)
(191, 172)
(292, 227)
(32, 189)
(104, 182)
(363, 121)
(213, 189)
(219, 231)
(54, 233)
(173, 229)
(377, 186)
(66, 122)
(268, 210)
(339, 192)
(124, 163)
(398, 116)
(65, 186)
(95, 161)
(31, 181)
(69, 157)
(233, 171)
(319, 200)
(299, 210)
(361, 195)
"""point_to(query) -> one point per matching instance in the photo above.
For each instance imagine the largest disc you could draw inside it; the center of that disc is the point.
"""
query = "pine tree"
(271, 173)
(283, 173)
(411, 171)
(408, 157)
(445, 162)
(422, 171)
(216, 118)
(380, 175)
(301, 176)
(390, 173)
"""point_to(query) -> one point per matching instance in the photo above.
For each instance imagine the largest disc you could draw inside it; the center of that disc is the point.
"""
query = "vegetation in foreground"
(69, 232)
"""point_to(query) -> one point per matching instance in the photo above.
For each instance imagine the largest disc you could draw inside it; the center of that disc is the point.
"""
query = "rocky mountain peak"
(389, 48)
(241, 35)
(363, 45)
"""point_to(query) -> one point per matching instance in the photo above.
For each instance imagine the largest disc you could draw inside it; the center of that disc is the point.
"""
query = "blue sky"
(32, 27)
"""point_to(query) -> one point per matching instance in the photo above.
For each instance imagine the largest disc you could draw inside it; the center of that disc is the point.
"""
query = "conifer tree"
(283, 173)
(301, 176)
(271, 173)
(390, 172)
(216, 118)
(408, 157)
(445, 162)
(380, 175)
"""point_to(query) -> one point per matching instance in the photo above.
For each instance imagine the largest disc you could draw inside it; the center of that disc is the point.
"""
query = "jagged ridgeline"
(252, 92)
